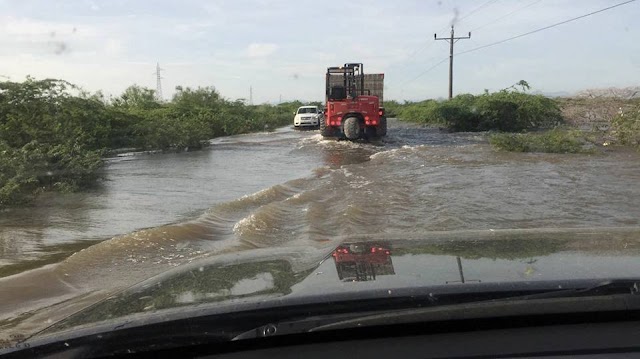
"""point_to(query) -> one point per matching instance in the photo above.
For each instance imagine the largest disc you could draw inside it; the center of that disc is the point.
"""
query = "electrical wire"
(428, 45)
(477, 9)
(506, 15)
(425, 47)
(544, 28)
(487, 3)
(516, 37)
(425, 72)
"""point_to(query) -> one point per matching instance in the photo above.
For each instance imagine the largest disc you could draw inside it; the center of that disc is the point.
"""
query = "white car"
(307, 116)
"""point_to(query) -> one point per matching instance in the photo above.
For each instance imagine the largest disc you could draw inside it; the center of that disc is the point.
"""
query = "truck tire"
(325, 130)
(351, 128)
(381, 129)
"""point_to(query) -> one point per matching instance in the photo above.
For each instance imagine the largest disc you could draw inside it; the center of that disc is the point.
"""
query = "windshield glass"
(308, 110)
(150, 158)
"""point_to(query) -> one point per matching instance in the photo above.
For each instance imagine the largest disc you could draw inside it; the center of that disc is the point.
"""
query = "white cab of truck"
(307, 116)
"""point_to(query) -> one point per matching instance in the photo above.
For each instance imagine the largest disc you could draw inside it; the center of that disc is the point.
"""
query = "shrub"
(625, 127)
(420, 112)
(507, 110)
(552, 141)
(52, 134)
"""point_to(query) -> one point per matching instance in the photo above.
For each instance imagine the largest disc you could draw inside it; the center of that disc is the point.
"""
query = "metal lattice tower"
(158, 82)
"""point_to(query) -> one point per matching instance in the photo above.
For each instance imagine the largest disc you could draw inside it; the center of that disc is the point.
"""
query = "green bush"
(52, 134)
(34, 167)
(49, 139)
(459, 114)
(507, 110)
(552, 141)
(420, 112)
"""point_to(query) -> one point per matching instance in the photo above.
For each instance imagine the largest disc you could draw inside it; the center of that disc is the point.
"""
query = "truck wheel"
(325, 130)
(381, 129)
(351, 128)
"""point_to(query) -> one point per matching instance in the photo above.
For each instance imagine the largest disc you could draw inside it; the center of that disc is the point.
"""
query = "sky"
(281, 48)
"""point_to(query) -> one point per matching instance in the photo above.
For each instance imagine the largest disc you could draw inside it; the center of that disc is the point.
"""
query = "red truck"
(362, 261)
(353, 107)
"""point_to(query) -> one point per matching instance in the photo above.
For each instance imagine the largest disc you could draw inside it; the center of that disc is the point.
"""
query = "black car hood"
(373, 265)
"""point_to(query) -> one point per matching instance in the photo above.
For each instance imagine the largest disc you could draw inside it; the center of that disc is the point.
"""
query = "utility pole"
(250, 95)
(158, 82)
(451, 40)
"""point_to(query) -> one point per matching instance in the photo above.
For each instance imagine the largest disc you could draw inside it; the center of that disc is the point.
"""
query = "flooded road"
(149, 190)
(294, 189)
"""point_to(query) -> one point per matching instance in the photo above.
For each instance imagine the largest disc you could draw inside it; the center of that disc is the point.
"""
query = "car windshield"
(152, 157)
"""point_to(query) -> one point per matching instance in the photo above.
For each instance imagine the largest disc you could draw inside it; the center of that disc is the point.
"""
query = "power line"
(477, 9)
(506, 15)
(429, 44)
(425, 47)
(545, 28)
(515, 37)
(425, 71)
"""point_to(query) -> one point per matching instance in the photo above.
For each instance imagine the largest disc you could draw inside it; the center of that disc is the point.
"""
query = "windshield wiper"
(609, 287)
(608, 296)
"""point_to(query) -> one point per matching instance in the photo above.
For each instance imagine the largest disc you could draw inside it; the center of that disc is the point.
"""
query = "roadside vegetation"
(53, 135)
(511, 109)
(625, 126)
(526, 122)
(557, 140)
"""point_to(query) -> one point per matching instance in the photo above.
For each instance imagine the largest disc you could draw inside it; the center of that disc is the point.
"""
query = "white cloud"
(119, 44)
(261, 49)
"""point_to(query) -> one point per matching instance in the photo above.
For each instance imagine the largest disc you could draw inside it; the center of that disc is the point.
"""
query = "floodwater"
(154, 212)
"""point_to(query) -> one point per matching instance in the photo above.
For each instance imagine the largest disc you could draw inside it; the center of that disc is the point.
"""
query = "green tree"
(137, 98)
(48, 138)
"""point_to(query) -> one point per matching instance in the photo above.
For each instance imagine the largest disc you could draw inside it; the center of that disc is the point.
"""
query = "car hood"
(374, 265)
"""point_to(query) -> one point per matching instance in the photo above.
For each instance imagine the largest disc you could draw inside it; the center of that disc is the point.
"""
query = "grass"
(552, 141)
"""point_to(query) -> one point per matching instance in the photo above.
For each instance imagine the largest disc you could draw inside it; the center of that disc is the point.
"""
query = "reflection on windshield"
(491, 256)
(196, 284)
(362, 261)
(461, 272)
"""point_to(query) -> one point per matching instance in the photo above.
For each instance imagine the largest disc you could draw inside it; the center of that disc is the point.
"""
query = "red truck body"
(362, 262)
(353, 103)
